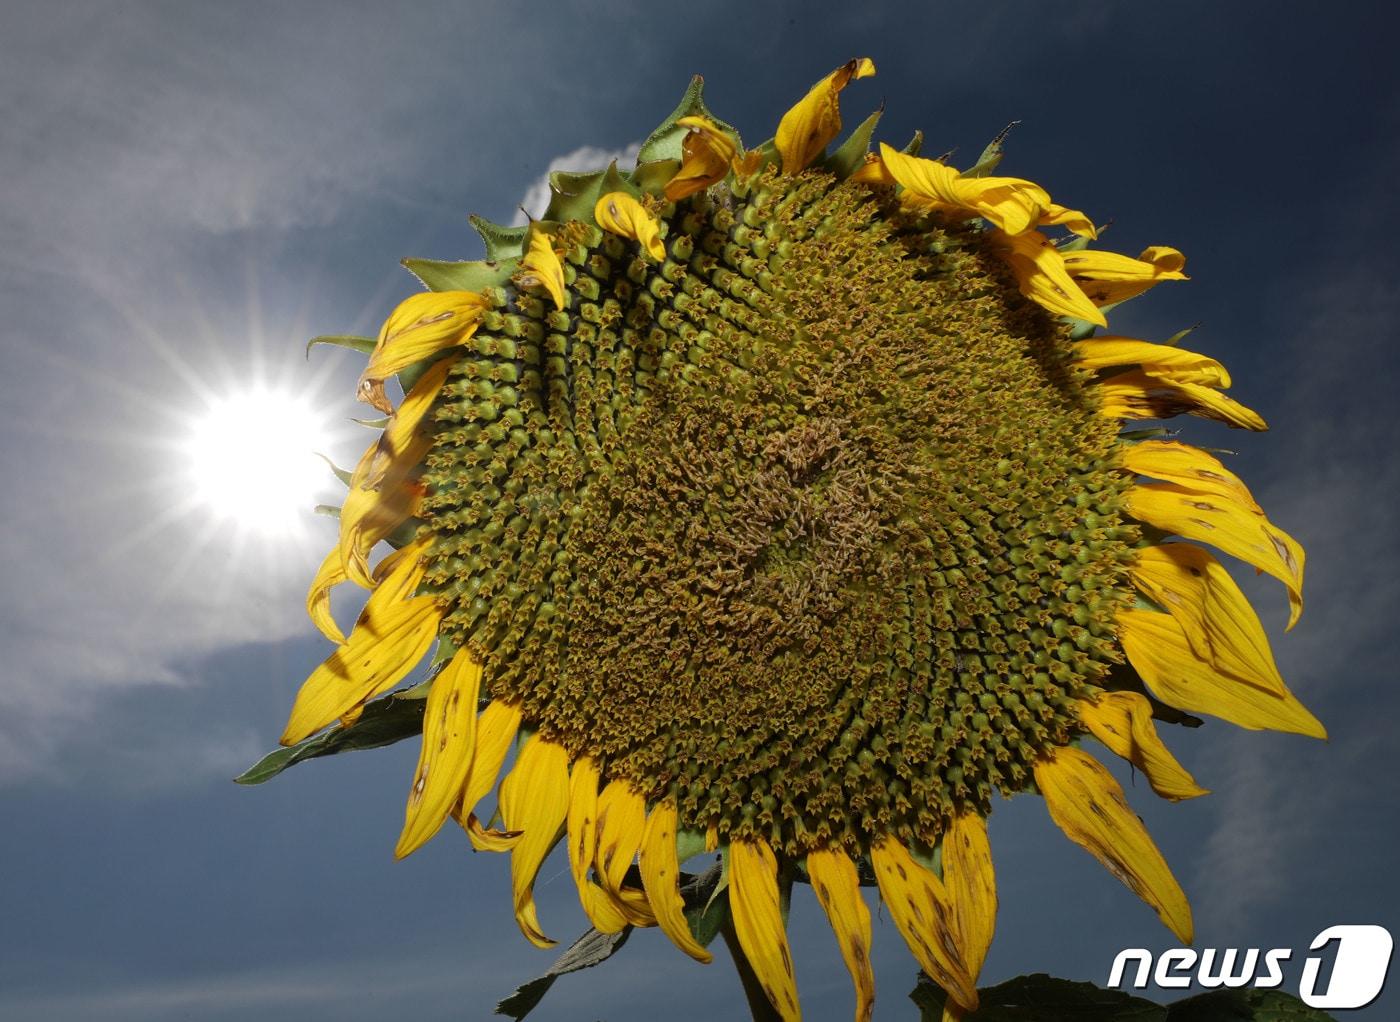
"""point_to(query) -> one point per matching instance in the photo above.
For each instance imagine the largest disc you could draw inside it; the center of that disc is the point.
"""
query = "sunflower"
(778, 503)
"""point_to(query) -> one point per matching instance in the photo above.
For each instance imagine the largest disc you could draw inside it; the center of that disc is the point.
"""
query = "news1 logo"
(1360, 962)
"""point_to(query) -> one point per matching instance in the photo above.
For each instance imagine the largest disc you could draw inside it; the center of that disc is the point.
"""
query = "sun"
(252, 458)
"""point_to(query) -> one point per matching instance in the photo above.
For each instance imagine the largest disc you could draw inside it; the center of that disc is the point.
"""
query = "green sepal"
(689, 844)
(477, 275)
(654, 175)
(410, 375)
(1133, 436)
(849, 157)
(1180, 336)
(501, 242)
(991, 156)
(386, 720)
(1074, 243)
(665, 142)
(1080, 329)
(327, 510)
(915, 144)
(340, 473)
(379, 423)
(364, 345)
(573, 196)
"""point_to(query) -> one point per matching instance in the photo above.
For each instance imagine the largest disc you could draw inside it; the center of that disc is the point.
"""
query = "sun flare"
(253, 458)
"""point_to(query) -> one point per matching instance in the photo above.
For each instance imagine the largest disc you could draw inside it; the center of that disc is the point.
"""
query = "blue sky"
(192, 190)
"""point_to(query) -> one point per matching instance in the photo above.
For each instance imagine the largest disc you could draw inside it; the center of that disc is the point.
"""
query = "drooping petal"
(1108, 277)
(1040, 274)
(1138, 394)
(758, 923)
(495, 731)
(318, 597)
(661, 879)
(1225, 522)
(815, 120)
(707, 153)
(1162, 360)
(971, 884)
(449, 739)
(419, 328)
(541, 267)
(1223, 629)
(1157, 647)
(1088, 805)
(1122, 721)
(583, 842)
(390, 637)
(621, 823)
(1073, 220)
(383, 492)
(923, 911)
(534, 801)
(837, 887)
(623, 215)
(1010, 203)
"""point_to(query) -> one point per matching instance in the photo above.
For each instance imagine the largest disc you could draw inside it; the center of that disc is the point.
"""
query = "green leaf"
(850, 156)
(1041, 998)
(706, 904)
(440, 275)
(1244, 1006)
(501, 242)
(991, 156)
(364, 345)
(593, 948)
(385, 721)
(665, 142)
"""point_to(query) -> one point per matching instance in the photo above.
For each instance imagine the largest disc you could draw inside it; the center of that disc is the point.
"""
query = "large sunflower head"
(777, 503)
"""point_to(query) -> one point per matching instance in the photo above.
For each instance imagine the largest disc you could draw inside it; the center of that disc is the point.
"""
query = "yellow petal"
(541, 267)
(1161, 360)
(707, 154)
(388, 640)
(1088, 805)
(923, 911)
(1040, 273)
(805, 130)
(1159, 651)
(495, 730)
(837, 886)
(383, 491)
(1224, 521)
(1222, 628)
(1122, 721)
(623, 215)
(583, 842)
(318, 597)
(449, 735)
(758, 923)
(972, 886)
(419, 328)
(874, 172)
(1010, 203)
(534, 801)
(621, 823)
(1109, 277)
(1149, 395)
(1076, 222)
(661, 876)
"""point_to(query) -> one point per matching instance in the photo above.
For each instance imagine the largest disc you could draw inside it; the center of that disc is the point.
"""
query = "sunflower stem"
(759, 1006)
